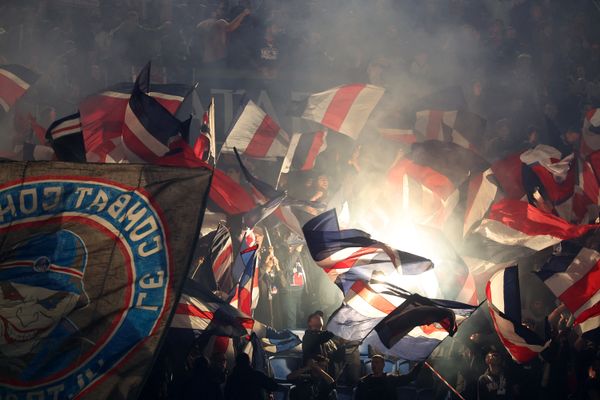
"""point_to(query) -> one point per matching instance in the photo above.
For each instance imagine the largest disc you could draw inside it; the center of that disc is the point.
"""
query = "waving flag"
(461, 127)
(66, 138)
(303, 151)
(344, 109)
(256, 134)
(149, 127)
(15, 80)
(244, 291)
(96, 255)
(103, 115)
(350, 255)
(504, 301)
(574, 277)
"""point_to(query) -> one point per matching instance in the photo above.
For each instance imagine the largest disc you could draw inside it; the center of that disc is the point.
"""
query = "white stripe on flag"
(138, 130)
(318, 104)
(20, 82)
(579, 267)
(4, 105)
(501, 233)
(67, 130)
(360, 110)
(289, 156)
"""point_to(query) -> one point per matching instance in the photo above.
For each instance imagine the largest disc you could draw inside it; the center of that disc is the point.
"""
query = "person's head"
(259, 234)
(531, 135)
(494, 361)
(242, 360)
(132, 19)
(315, 321)
(572, 135)
(233, 173)
(323, 182)
(221, 11)
(218, 361)
(377, 364)
(502, 128)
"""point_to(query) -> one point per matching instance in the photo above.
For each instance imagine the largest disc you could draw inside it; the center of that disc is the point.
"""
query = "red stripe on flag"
(589, 313)
(221, 258)
(349, 261)
(68, 128)
(190, 309)
(10, 91)
(434, 125)
(362, 289)
(340, 105)
(313, 152)
(263, 138)
(582, 290)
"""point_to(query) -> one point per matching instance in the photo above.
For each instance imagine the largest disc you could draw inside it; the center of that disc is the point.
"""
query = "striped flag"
(15, 80)
(149, 127)
(349, 256)
(517, 223)
(66, 138)
(462, 127)
(504, 301)
(255, 134)
(217, 250)
(244, 291)
(574, 277)
(344, 109)
(103, 116)
(303, 151)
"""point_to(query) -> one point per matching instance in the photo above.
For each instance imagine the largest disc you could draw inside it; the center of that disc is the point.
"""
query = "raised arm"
(237, 21)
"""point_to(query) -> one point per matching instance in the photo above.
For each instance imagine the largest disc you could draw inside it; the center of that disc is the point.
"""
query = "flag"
(482, 193)
(221, 258)
(94, 256)
(350, 255)
(303, 151)
(149, 127)
(405, 136)
(260, 212)
(590, 132)
(504, 301)
(245, 257)
(517, 223)
(461, 127)
(508, 174)
(15, 80)
(244, 291)
(103, 115)
(256, 134)
(410, 331)
(344, 109)
(66, 138)
(574, 278)
(545, 172)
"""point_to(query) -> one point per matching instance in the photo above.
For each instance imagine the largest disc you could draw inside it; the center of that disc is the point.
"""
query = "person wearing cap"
(381, 385)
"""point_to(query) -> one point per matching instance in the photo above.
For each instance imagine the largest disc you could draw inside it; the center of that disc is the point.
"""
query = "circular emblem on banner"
(84, 279)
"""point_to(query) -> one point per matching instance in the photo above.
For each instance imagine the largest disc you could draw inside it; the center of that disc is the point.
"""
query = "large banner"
(92, 258)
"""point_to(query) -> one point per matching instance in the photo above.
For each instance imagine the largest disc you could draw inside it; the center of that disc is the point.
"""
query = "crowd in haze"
(518, 61)
(531, 68)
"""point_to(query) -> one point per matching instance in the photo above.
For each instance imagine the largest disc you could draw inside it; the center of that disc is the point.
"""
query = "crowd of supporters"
(531, 68)
(519, 61)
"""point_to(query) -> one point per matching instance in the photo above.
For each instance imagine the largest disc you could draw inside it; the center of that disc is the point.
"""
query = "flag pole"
(441, 378)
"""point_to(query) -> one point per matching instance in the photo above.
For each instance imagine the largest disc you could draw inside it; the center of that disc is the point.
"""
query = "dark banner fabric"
(92, 260)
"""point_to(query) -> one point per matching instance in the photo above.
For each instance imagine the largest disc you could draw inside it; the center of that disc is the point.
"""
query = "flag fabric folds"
(344, 109)
(244, 291)
(574, 278)
(15, 80)
(303, 151)
(66, 138)
(590, 138)
(101, 253)
(256, 134)
(149, 127)
(504, 301)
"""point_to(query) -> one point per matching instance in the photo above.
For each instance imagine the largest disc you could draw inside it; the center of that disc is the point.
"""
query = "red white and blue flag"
(574, 278)
(504, 301)
(344, 109)
(66, 138)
